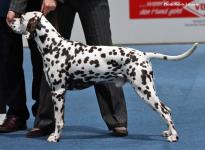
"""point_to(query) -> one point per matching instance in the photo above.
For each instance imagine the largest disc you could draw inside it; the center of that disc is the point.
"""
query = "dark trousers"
(43, 106)
(12, 84)
(94, 16)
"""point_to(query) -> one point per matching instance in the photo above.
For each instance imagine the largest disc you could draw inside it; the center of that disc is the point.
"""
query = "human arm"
(48, 5)
(16, 7)
(19, 6)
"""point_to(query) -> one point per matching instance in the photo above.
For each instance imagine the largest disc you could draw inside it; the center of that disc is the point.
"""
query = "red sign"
(145, 9)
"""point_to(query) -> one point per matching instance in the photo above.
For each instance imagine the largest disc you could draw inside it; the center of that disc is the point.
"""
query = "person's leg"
(36, 60)
(3, 76)
(43, 107)
(3, 50)
(44, 121)
(37, 70)
(12, 87)
(65, 18)
(45, 115)
(2, 100)
(95, 21)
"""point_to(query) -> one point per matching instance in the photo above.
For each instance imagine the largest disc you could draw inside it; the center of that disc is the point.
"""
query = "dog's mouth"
(17, 25)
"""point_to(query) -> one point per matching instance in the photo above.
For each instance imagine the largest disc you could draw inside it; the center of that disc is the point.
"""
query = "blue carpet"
(180, 85)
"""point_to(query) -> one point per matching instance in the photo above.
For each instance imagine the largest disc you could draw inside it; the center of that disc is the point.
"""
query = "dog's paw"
(53, 138)
(166, 133)
(173, 138)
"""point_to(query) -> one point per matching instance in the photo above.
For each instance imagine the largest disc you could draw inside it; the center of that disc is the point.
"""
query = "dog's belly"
(78, 84)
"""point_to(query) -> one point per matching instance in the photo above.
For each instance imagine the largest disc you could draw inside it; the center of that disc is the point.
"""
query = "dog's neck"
(46, 35)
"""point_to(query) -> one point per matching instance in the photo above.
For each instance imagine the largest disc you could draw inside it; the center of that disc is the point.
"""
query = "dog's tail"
(151, 55)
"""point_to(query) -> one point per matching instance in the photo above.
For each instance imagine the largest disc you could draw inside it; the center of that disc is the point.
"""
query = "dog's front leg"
(58, 100)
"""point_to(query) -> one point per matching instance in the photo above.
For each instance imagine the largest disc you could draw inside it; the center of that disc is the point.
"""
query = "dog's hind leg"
(147, 93)
(58, 100)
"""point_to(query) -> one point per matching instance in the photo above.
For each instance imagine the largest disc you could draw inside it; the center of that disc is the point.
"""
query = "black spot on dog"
(77, 51)
(99, 49)
(103, 55)
(144, 76)
(43, 38)
(92, 48)
(164, 109)
(133, 73)
(91, 72)
(62, 109)
(113, 63)
(156, 105)
(56, 108)
(52, 62)
(48, 59)
(148, 93)
(59, 44)
(143, 64)
(54, 41)
(122, 52)
(133, 58)
(127, 61)
(95, 62)
(62, 65)
(79, 61)
(78, 72)
(73, 62)
(86, 60)
(56, 82)
(114, 52)
(97, 74)
(56, 56)
(65, 52)
(106, 73)
(80, 44)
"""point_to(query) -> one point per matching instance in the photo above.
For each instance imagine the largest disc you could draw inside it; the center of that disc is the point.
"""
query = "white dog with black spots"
(70, 65)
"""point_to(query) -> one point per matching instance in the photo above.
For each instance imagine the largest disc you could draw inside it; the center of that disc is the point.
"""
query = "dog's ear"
(31, 26)
(32, 23)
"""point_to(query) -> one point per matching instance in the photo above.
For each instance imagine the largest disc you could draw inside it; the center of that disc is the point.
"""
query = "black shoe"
(13, 124)
(119, 131)
(37, 132)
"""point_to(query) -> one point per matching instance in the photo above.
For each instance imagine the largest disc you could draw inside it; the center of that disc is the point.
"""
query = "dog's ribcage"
(76, 63)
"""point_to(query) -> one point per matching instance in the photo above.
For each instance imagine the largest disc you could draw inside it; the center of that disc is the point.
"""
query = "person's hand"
(10, 17)
(48, 5)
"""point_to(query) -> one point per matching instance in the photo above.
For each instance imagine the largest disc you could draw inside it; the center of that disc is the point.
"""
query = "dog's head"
(27, 23)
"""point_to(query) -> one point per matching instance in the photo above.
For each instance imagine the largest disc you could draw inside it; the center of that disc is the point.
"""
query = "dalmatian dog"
(70, 65)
